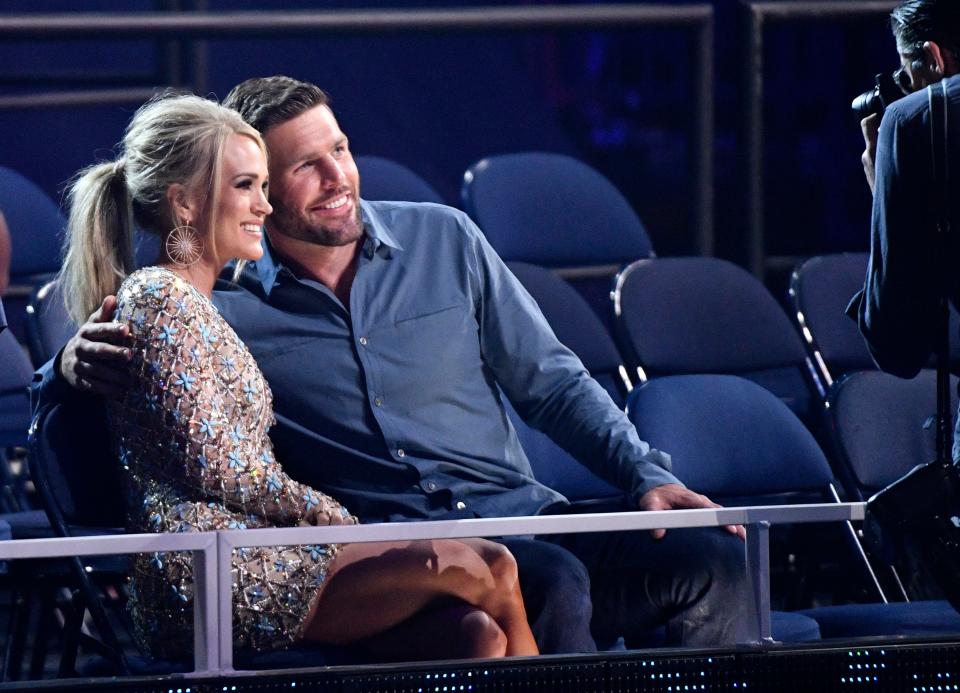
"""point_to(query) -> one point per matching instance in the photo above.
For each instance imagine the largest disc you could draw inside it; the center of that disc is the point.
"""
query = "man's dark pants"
(693, 581)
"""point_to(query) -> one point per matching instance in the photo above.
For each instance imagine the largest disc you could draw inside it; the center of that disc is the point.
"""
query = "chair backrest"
(883, 426)
(15, 375)
(48, 325)
(706, 315)
(75, 469)
(820, 289)
(552, 210)
(383, 179)
(729, 437)
(36, 226)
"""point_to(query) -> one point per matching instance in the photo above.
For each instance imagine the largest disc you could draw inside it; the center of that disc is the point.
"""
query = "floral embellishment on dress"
(273, 483)
(229, 364)
(208, 427)
(317, 552)
(208, 337)
(153, 289)
(186, 381)
(168, 332)
(236, 462)
(311, 500)
(151, 401)
(237, 524)
(250, 390)
(237, 434)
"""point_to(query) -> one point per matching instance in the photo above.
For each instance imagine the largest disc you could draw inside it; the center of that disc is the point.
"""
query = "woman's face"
(242, 202)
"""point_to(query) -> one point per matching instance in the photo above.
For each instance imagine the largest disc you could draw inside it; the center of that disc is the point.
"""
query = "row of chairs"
(671, 316)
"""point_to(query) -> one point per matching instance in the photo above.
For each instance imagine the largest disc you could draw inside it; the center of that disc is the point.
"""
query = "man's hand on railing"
(95, 358)
(677, 497)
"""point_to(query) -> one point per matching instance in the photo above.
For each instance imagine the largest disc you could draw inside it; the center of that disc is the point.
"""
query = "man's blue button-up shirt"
(391, 404)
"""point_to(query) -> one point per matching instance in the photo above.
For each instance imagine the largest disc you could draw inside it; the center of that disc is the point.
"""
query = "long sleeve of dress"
(198, 409)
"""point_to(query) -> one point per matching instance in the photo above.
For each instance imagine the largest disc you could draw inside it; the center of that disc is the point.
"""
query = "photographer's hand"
(870, 126)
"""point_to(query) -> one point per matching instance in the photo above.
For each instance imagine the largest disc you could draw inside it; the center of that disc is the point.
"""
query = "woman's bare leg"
(458, 631)
(371, 588)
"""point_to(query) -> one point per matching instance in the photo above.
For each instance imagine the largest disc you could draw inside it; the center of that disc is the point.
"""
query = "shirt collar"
(378, 239)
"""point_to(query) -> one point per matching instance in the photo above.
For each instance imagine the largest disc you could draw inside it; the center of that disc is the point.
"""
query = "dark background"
(621, 100)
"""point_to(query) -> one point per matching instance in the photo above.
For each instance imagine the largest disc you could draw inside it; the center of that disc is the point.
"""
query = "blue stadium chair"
(820, 289)
(48, 325)
(732, 439)
(883, 426)
(15, 376)
(383, 179)
(579, 328)
(557, 212)
(705, 315)
(36, 227)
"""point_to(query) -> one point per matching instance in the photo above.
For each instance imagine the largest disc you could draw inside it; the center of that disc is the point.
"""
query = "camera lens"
(878, 99)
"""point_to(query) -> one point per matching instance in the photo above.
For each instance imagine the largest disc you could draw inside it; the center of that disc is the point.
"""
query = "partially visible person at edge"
(897, 308)
(191, 426)
(5, 251)
(390, 332)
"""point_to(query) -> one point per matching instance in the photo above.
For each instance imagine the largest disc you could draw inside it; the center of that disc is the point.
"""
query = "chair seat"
(900, 618)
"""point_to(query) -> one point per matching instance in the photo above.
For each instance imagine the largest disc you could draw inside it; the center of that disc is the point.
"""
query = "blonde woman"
(191, 429)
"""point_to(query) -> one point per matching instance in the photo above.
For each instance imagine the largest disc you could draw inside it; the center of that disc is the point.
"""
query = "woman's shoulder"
(154, 289)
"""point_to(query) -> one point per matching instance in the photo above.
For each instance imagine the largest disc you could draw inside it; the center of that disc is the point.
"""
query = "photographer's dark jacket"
(897, 308)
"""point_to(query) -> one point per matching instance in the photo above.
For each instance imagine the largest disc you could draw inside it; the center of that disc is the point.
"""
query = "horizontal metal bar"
(210, 24)
(827, 9)
(88, 97)
(106, 545)
(547, 524)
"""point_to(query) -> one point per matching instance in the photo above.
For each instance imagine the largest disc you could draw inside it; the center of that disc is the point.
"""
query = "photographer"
(897, 309)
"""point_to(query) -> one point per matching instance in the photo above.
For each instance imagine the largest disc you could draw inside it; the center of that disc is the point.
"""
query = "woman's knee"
(502, 565)
(481, 636)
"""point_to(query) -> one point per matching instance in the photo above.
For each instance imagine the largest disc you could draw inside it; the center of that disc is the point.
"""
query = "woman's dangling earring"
(184, 245)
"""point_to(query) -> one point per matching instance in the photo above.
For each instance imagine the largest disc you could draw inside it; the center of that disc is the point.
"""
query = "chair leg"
(45, 615)
(71, 637)
(16, 634)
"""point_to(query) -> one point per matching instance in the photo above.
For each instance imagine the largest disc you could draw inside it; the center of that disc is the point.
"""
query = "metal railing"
(760, 14)
(213, 615)
(195, 26)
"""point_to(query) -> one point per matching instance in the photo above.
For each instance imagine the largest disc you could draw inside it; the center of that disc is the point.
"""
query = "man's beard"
(294, 225)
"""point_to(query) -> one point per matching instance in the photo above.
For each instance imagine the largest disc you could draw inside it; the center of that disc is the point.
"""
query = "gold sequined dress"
(191, 434)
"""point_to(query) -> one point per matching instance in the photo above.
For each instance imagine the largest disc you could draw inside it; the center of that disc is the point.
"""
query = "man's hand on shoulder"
(677, 497)
(95, 358)
(870, 126)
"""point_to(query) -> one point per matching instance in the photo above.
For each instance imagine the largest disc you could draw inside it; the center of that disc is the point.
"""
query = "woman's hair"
(171, 139)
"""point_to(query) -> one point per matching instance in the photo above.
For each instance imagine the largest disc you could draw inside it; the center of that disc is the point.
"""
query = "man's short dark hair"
(268, 101)
(916, 21)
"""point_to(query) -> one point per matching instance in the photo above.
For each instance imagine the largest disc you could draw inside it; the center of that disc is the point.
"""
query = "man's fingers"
(737, 530)
(105, 373)
(106, 332)
(658, 534)
(87, 350)
(106, 310)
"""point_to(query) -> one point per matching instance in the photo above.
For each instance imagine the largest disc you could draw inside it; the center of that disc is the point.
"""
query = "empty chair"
(883, 426)
(36, 227)
(383, 179)
(820, 290)
(706, 315)
(731, 439)
(557, 212)
(48, 325)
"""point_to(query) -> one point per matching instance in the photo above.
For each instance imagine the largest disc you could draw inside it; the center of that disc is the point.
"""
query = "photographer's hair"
(916, 21)
(171, 139)
(265, 102)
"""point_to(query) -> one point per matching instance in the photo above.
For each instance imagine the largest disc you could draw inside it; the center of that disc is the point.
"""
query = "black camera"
(879, 98)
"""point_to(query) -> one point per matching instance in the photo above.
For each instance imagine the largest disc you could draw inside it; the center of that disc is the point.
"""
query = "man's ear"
(940, 61)
(181, 203)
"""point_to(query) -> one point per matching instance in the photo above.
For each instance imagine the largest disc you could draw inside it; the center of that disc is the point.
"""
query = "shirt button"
(431, 486)
(377, 402)
(400, 452)
(461, 505)
(363, 341)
